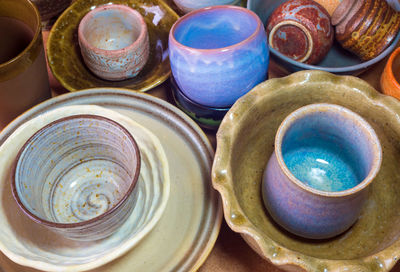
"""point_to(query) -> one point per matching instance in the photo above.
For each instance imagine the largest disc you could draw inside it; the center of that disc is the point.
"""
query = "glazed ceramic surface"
(390, 76)
(301, 30)
(245, 142)
(206, 117)
(114, 42)
(23, 74)
(316, 181)
(338, 60)
(188, 228)
(150, 199)
(190, 5)
(214, 66)
(66, 62)
(395, 4)
(77, 176)
(365, 28)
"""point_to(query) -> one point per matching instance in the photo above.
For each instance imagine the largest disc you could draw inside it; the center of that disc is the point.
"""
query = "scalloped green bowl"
(245, 141)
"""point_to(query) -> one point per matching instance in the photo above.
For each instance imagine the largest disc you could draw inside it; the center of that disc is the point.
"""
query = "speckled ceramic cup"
(316, 181)
(77, 176)
(23, 74)
(218, 54)
(114, 42)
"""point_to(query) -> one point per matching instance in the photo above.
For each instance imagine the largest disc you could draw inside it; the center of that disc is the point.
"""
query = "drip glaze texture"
(315, 183)
(365, 27)
(218, 54)
(301, 30)
(77, 176)
(114, 42)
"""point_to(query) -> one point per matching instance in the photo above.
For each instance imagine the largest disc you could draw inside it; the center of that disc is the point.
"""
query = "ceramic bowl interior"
(111, 29)
(206, 117)
(195, 31)
(245, 142)
(338, 60)
(75, 170)
(327, 147)
(68, 67)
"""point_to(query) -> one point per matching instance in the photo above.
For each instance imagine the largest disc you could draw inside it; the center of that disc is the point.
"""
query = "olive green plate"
(66, 62)
(245, 142)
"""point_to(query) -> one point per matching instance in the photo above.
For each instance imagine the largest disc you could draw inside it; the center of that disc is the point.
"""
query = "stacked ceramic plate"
(175, 217)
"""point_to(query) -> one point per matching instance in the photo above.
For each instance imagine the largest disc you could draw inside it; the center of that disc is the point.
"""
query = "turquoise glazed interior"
(216, 29)
(327, 152)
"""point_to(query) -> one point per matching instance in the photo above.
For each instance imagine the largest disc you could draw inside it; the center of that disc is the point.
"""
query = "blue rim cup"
(316, 181)
(77, 177)
(218, 54)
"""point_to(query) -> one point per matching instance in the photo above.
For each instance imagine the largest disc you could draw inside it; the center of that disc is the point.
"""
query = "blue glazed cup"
(218, 54)
(316, 181)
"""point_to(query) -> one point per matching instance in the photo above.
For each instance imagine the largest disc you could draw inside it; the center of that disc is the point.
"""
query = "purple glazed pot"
(316, 181)
(114, 42)
(218, 54)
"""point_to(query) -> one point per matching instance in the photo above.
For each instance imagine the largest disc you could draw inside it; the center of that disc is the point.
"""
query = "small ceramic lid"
(292, 39)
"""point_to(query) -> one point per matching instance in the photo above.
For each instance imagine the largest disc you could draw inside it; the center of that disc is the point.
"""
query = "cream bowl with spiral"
(77, 176)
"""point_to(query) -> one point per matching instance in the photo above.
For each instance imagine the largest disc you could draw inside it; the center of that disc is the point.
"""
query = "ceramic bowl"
(338, 60)
(114, 42)
(316, 181)
(218, 54)
(206, 117)
(190, 5)
(77, 175)
(390, 76)
(65, 59)
(300, 30)
(366, 27)
(188, 232)
(245, 142)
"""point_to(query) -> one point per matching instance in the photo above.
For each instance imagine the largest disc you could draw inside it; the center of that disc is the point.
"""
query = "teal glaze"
(323, 165)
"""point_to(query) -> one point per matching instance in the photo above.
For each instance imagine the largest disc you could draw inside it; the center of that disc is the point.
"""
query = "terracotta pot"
(390, 76)
(301, 30)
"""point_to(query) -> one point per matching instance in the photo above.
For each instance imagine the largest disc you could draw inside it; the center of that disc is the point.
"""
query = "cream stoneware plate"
(190, 224)
(152, 195)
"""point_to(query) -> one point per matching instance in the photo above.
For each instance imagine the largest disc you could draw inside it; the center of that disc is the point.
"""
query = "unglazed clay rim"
(38, 32)
(44, 106)
(303, 28)
(223, 183)
(126, 195)
(358, 121)
(114, 7)
(238, 45)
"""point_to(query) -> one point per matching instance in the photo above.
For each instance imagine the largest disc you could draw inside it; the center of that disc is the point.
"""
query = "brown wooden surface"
(231, 253)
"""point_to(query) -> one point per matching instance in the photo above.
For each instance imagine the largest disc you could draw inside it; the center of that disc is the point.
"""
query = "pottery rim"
(259, 28)
(346, 113)
(302, 28)
(31, 44)
(97, 218)
(389, 66)
(124, 8)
